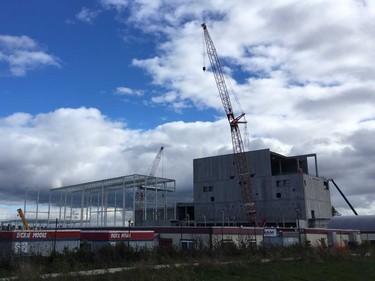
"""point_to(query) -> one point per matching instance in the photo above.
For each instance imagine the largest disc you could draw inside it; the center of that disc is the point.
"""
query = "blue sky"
(92, 89)
(92, 56)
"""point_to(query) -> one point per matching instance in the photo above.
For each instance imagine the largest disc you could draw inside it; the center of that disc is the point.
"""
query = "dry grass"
(233, 263)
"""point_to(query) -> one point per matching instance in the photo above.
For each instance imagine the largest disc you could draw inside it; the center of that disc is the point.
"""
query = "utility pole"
(222, 227)
(54, 242)
(298, 226)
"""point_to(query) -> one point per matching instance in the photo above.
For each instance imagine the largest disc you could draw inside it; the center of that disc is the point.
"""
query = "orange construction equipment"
(23, 218)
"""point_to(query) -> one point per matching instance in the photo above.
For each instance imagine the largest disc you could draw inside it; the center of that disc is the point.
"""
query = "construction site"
(261, 195)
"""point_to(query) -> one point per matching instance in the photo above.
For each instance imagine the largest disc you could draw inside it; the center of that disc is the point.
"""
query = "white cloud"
(128, 92)
(304, 72)
(117, 4)
(86, 15)
(70, 146)
(17, 42)
(22, 54)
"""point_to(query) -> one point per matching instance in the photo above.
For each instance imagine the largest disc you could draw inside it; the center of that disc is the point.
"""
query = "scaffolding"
(138, 200)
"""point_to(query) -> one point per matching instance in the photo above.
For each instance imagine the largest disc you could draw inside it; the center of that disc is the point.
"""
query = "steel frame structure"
(121, 201)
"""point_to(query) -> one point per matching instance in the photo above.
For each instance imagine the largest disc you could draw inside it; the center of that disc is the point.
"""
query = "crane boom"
(238, 147)
(343, 196)
(155, 164)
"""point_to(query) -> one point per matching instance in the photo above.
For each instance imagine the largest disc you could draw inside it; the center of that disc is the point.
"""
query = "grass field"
(293, 263)
(335, 270)
(354, 269)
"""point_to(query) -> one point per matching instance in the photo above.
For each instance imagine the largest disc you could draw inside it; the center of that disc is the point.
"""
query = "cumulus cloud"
(303, 75)
(21, 54)
(38, 149)
(86, 15)
(70, 146)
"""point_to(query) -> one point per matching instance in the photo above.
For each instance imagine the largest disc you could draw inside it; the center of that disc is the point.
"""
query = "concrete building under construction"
(287, 190)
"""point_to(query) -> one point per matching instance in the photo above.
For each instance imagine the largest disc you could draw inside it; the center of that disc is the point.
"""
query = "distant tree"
(335, 212)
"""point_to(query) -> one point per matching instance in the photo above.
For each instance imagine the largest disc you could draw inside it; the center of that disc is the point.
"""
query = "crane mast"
(238, 147)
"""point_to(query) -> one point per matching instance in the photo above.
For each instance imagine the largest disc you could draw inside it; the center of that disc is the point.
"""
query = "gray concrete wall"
(280, 197)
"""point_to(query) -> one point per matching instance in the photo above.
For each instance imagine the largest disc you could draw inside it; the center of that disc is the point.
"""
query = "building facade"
(287, 190)
(38, 242)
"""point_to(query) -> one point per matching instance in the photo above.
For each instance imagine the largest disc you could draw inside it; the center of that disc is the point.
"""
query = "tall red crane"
(238, 147)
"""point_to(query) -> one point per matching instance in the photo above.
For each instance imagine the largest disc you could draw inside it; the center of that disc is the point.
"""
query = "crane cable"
(204, 52)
